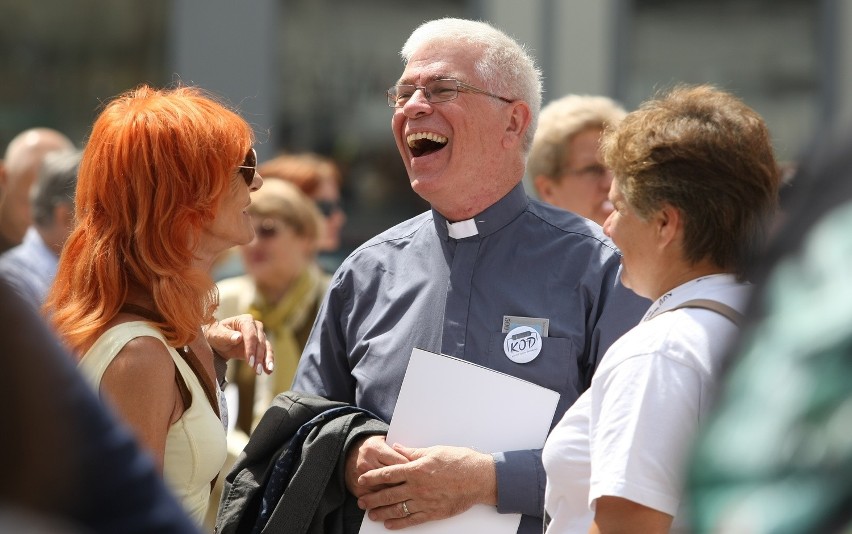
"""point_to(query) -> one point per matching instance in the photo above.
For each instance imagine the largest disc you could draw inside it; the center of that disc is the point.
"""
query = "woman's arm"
(615, 515)
(140, 385)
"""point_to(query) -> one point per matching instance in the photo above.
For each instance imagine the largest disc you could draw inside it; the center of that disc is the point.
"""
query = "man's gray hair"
(505, 65)
(56, 184)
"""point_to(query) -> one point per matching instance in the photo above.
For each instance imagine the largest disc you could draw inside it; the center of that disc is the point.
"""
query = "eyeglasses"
(590, 173)
(435, 91)
(249, 167)
(328, 207)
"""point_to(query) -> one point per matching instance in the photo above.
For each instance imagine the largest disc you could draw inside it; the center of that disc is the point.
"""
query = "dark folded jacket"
(289, 479)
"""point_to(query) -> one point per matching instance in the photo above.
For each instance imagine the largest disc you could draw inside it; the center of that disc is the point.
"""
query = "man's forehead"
(411, 77)
(434, 61)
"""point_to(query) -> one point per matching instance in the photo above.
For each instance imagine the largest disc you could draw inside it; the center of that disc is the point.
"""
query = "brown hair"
(284, 201)
(306, 170)
(706, 153)
(152, 175)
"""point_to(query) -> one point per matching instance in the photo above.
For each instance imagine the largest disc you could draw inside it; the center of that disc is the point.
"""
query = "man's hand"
(365, 455)
(243, 338)
(436, 483)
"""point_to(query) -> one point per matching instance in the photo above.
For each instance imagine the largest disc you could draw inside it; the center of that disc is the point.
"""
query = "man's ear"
(519, 120)
(63, 214)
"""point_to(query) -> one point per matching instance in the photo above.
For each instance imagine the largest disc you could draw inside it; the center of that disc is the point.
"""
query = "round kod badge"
(522, 344)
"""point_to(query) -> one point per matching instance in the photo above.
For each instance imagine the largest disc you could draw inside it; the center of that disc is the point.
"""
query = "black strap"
(191, 359)
(722, 309)
(209, 387)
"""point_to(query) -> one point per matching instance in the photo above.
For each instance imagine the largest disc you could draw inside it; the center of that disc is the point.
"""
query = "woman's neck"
(140, 298)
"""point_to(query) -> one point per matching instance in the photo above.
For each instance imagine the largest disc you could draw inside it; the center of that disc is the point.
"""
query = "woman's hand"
(241, 338)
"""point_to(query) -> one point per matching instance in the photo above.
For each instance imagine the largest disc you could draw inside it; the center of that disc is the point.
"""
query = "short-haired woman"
(695, 186)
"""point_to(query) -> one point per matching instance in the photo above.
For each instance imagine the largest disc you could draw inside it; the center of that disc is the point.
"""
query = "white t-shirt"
(630, 433)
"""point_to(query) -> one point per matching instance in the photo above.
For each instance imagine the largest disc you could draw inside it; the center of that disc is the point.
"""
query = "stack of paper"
(447, 401)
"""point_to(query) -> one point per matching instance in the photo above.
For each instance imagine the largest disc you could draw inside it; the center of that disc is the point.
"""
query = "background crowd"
(193, 284)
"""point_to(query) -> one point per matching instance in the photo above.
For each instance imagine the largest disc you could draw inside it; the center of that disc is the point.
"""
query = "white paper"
(447, 401)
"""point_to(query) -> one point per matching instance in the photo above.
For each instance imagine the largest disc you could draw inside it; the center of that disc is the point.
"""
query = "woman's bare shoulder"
(144, 360)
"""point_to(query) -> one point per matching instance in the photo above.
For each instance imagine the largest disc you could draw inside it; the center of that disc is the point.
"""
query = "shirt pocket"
(554, 368)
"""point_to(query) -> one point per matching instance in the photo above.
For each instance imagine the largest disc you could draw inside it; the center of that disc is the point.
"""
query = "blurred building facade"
(310, 74)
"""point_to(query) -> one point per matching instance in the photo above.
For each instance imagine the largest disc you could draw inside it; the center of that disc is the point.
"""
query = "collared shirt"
(29, 268)
(415, 286)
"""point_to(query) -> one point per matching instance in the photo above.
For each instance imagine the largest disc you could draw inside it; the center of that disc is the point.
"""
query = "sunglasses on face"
(249, 167)
(328, 207)
(267, 229)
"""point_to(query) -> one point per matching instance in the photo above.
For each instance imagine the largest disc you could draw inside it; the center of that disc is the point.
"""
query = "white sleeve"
(643, 420)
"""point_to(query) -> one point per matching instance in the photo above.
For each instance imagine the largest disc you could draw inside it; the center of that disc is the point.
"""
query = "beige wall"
(572, 40)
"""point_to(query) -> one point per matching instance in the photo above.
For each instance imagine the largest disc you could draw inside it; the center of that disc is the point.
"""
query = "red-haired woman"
(163, 188)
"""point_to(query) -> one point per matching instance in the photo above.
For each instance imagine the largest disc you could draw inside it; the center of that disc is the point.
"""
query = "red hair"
(306, 170)
(154, 169)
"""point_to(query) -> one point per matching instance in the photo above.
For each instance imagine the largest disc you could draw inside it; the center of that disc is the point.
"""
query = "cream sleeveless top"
(195, 444)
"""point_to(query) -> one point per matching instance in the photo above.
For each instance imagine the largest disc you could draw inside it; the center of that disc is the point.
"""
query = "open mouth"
(425, 143)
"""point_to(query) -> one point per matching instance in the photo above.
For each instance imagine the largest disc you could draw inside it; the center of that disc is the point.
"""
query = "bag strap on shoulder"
(722, 309)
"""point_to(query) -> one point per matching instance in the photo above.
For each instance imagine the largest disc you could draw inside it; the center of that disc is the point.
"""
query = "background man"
(21, 163)
(29, 268)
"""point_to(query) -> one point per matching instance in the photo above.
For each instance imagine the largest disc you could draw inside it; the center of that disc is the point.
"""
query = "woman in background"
(283, 288)
(320, 179)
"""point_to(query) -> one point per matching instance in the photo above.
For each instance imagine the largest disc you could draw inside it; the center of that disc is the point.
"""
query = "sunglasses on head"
(249, 167)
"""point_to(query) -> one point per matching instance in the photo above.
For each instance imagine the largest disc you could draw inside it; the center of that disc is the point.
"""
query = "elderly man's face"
(16, 215)
(464, 135)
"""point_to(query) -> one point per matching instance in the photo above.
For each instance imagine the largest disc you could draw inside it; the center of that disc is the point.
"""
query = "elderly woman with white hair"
(565, 164)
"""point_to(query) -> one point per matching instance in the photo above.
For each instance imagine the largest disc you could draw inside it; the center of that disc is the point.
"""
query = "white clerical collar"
(462, 229)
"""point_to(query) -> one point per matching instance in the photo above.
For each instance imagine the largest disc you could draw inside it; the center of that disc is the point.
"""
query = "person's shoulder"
(17, 271)
(678, 337)
(234, 286)
(395, 237)
(123, 331)
(645, 342)
(13, 260)
(567, 223)
(144, 359)
(235, 296)
(569, 231)
(401, 231)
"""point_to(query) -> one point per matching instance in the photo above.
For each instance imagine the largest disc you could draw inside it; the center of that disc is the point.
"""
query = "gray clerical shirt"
(415, 286)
